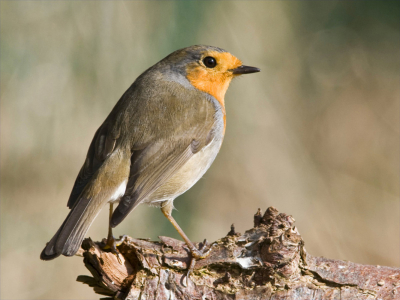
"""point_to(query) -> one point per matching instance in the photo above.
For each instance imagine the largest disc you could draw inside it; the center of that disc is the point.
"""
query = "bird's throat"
(216, 85)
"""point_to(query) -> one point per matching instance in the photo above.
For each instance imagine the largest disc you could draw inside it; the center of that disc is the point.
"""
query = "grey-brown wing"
(101, 147)
(164, 129)
(152, 167)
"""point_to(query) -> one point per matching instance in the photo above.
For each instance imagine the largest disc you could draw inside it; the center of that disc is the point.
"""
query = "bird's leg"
(111, 242)
(196, 253)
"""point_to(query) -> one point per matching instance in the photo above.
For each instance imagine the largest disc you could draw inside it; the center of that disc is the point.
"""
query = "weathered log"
(268, 261)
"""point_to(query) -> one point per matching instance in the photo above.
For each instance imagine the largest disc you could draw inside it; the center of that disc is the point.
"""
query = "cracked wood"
(268, 261)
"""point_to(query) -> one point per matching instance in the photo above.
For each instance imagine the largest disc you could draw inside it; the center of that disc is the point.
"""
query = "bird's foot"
(198, 254)
(112, 243)
(202, 253)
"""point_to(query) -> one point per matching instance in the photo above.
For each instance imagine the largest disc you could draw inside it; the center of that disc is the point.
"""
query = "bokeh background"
(315, 134)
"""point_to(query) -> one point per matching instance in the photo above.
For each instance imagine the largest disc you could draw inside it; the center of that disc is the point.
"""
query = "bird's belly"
(188, 175)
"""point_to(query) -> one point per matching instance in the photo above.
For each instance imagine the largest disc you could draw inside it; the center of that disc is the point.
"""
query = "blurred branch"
(268, 261)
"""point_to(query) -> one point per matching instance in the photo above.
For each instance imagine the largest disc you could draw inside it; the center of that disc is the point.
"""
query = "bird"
(156, 143)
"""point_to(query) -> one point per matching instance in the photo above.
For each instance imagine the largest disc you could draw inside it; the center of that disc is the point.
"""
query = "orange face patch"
(214, 81)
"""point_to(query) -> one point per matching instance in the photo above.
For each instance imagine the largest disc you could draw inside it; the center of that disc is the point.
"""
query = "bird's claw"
(111, 244)
(202, 253)
(198, 254)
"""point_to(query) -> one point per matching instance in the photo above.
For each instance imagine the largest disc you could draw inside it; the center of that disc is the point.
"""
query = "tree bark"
(268, 261)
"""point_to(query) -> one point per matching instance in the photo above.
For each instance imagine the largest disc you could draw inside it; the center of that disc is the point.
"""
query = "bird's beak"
(245, 70)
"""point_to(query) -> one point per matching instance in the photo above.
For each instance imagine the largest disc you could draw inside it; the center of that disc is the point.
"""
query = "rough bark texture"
(268, 261)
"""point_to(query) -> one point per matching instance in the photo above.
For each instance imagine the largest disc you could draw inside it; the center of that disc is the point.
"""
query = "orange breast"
(213, 84)
(214, 81)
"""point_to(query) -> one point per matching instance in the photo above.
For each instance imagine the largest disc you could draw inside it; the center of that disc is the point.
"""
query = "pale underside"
(182, 180)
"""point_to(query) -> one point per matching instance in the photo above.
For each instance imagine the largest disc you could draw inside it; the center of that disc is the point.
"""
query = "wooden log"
(268, 261)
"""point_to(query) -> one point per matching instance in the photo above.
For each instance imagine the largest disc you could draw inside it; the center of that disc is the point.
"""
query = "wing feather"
(148, 178)
(102, 145)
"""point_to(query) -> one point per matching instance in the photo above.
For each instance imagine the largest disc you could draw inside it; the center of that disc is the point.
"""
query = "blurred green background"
(315, 134)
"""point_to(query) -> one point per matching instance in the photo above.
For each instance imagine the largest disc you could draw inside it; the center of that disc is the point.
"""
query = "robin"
(157, 142)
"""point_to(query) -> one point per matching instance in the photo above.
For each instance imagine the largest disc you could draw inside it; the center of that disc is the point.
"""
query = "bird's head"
(208, 69)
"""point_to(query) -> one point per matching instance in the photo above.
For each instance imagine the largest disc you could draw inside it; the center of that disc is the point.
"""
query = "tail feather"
(114, 172)
(69, 237)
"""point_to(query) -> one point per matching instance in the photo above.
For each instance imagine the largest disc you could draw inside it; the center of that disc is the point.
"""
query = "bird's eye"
(209, 62)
